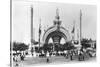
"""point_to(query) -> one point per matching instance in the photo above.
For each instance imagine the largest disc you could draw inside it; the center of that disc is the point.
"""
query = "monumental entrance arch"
(56, 32)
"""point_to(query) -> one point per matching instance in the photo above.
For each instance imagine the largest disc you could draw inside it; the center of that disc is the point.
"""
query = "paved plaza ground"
(31, 61)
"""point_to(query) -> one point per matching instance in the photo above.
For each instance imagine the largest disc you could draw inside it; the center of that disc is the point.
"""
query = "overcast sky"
(47, 11)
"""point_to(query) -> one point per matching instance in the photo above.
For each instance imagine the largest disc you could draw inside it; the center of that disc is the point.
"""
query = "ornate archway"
(56, 32)
(56, 35)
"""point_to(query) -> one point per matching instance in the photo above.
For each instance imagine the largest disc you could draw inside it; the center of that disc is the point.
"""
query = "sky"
(46, 11)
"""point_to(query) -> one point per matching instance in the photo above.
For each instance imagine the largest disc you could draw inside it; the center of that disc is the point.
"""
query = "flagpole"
(80, 26)
(74, 30)
(39, 33)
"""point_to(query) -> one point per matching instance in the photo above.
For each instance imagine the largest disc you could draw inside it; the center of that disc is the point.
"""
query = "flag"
(40, 29)
(73, 30)
(77, 34)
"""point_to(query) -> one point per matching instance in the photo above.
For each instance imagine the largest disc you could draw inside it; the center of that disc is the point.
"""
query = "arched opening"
(56, 37)
(62, 41)
(50, 40)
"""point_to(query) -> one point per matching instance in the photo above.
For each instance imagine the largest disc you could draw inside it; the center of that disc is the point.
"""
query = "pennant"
(40, 29)
(73, 30)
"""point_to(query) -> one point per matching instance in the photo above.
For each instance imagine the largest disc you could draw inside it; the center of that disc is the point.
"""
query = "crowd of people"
(68, 54)
(18, 57)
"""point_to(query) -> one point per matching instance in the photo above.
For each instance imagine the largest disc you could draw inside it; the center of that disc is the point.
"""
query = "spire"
(57, 14)
(80, 37)
(80, 24)
(57, 18)
(31, 24)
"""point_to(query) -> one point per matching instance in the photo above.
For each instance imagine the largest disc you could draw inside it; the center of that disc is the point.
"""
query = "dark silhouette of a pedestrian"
(71, 55)
(47, 60)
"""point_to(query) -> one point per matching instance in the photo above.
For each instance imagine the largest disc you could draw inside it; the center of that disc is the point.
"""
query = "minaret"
(80, 28)
(31, 26)
(80, 25)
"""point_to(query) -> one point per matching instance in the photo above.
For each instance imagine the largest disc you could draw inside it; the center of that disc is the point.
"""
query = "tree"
(15, 46)
(19, 46)
(68, 46)
(85, 43)
(22, 47)
(47, 47)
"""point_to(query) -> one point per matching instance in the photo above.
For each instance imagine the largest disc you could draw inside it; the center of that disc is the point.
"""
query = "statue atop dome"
(57, 18)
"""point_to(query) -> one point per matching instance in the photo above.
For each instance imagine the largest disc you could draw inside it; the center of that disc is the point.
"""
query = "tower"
(31, 26)
(32, 33)
(80, 25)
(80, 31)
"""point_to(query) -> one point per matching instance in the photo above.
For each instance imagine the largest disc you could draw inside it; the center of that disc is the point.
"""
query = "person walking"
(47, 55)
(71, 55)
(22, 57)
